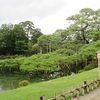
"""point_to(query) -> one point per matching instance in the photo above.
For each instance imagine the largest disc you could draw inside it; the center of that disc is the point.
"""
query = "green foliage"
(90, 50)
(63, 60)
(14, 39)
(35, 49)
(12, 34)
(34, 91)
(90, 66)
(65, 50)
(11, 65)
(35, 35)
(80, 71)
(83, 23)
(23, 83)
(40, 63)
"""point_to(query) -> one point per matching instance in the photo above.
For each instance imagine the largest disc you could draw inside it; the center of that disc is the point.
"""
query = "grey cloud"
(27, 9)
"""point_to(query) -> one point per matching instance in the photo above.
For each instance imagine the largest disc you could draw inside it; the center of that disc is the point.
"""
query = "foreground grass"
(34, 91)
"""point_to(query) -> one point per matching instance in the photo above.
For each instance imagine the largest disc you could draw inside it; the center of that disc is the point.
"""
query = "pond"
(7, 85)
(9, 82)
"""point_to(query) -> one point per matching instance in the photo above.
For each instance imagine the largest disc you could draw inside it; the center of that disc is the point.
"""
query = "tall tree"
(6, 39)
(35, 35)
(28, 27)
(13, 39)
(21, 40)
(44, 43)
(83, 23)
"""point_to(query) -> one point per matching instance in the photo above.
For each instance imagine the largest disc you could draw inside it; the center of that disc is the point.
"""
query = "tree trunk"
(50, 46)
(40, 50)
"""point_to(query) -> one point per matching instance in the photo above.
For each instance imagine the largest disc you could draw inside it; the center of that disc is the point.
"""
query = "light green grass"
(34, 91)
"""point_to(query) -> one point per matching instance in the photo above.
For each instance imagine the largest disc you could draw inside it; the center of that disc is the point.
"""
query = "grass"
(34, 91)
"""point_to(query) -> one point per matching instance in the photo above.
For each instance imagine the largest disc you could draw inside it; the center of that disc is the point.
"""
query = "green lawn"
(34, 91)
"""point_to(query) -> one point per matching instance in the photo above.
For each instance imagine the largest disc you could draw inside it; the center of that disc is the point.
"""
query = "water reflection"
(9, 82)
(7, 85)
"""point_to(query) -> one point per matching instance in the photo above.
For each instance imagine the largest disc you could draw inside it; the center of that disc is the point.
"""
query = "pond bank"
(9, 82)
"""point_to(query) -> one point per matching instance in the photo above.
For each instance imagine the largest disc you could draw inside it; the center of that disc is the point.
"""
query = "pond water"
(9, 82)
(7, 85)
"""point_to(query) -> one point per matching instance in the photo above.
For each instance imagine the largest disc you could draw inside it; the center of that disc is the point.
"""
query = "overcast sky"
(48, 15)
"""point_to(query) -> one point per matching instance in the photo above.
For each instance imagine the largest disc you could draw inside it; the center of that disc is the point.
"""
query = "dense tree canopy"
(15, 39)
(65, 51)
(84, 23)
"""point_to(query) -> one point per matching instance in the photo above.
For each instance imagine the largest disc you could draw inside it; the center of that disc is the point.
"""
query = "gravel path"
(93, 95)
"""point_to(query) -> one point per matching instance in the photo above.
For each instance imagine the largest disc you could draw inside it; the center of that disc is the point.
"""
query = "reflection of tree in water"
(7, 85)
(9, 82)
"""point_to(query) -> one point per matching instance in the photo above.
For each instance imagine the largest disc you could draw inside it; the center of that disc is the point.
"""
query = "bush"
(80, 71)
(24, 83)
(90, 66)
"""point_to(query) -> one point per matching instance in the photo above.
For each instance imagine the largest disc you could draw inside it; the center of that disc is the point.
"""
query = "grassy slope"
(34, 91)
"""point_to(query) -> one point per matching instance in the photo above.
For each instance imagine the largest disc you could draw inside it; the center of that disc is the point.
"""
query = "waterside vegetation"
(47, 88)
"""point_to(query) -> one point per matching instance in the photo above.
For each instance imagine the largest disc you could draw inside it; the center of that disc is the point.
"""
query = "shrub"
(24, 83)
(90, 66)
(80, 71)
